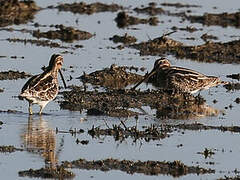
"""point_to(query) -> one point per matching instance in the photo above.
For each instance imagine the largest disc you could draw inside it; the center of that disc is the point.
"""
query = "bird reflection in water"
(193, 112)
(39, 138)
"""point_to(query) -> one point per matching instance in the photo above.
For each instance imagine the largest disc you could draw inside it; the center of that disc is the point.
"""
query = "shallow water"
(96, 55)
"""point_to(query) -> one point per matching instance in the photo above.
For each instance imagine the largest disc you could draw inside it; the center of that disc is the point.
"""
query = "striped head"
(55, 62)
(161, 63)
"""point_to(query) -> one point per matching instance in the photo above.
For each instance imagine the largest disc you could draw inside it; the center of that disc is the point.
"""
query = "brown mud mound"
(11, 75)
(16, 12)
(126, 39)
(83, 8)
(228, 52)
(223, 19)
(124, 20)
(175, 168)
(67, 34)
(118, 102)
(150, 10)
(115, 77)
(120, 134)
(58, 173)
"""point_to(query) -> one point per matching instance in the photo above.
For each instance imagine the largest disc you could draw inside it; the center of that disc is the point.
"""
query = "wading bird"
(179, 78)
(43, 88)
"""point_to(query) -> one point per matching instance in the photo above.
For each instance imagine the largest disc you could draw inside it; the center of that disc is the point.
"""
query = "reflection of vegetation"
(120, 134)
(38, 137)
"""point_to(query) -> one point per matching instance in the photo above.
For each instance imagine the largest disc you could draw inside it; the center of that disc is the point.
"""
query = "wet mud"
(66, 34)
(118, 103)
(228, 52)
(234, 76)
(180, 5)
(175, 168)
(58, 173)
(223, 19)
(114, 77)
(13, 75)
(126, 39)
(16, 12)
(84, 8)
(229, 178)
(232, 86)
(199, 126)
(121, 133)
(123, 20)
(9, 149)
(43, 43)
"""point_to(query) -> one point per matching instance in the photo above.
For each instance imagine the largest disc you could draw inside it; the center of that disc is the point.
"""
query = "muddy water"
(43, 147)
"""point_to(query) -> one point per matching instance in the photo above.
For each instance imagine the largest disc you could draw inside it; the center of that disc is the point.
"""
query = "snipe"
(43, 88)
(179, 78)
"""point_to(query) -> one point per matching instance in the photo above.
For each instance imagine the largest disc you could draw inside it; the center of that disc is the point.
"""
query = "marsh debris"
(234, 76)
(175, 168)
(180, 5)
(9, 149)
(228, 52)
(232, 86)
(224, 19)
(115, 77)
(150, 133)
(13, 75)
(118, 103)
(43, 43)
(229, 178)
(124, 20)
(126, 39)
(206, 37)
(16, 12)
(84, 8)
(199, 126)
(67, 34)
(58, 173)
(188, 29)
(207, 153)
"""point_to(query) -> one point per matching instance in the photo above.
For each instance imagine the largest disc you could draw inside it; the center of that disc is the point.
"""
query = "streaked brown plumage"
(43, 88)
(179, 78)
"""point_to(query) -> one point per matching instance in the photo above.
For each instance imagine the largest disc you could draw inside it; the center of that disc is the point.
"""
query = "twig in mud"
(124, 125)
(106, 124)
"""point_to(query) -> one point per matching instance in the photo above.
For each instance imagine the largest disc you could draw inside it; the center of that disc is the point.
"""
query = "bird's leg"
(30, 108)
(41, 109)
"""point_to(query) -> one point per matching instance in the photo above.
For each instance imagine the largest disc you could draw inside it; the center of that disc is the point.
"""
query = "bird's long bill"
(145, 78)
(64, 83)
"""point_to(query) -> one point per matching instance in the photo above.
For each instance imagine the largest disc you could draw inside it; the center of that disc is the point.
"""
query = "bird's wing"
(38, 82)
